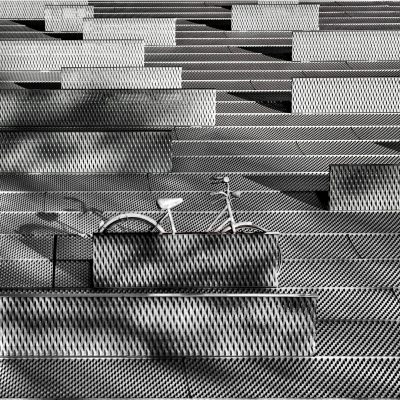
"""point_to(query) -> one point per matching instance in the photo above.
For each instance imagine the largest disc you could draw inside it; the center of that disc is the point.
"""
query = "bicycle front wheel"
(130, 222)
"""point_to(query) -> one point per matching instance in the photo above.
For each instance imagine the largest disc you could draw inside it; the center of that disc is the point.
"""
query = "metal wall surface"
(154, 31)
(185, 260)
(66, 18)
(345, 95)
(160, 325)
(122, 78)
(328, 46)
(275, 17)
(55, 54)
(94, 108)
(365, 187)
(89, 152)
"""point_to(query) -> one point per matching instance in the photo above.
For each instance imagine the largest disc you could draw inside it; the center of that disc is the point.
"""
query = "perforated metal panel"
(122, 78)
(154, 31)
(73, 274)
(346, 45)
(55, 54)
(90, 152)
(185, 260)
(237, 325)
(107, 108)
(66, 18)
(275, 17)
(345, 95)
(365, 187)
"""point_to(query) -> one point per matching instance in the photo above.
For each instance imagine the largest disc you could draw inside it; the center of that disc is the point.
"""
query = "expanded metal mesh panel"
(66, 18)
(377, 245)
(92, 378)
(56, 54)
(311, 377)
(30, 76)
(365, 187)
(185, 260)
(346, 46)
(153, 31)
(26, 10)
(25, 273)
(275, 17)
(345, 95)
(339, 273)
(158, 326)
(90, 152)
(26, 247)
(73, 274)
(122, 78)
(107, 107)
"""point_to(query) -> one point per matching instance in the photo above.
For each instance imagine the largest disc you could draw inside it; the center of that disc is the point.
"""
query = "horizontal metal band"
(66, 18)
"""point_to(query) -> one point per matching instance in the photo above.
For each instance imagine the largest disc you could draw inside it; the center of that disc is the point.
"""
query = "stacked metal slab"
(325, 176)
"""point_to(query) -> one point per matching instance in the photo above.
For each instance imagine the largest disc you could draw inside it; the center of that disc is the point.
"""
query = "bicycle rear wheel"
(130, 222)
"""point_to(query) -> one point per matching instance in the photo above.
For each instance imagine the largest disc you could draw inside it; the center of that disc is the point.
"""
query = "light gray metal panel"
(152, 326)
(55, 54)
(271, 17)
(364, 187)
(122, 78)
(377, 246)
(153, 31)
(345, 95)
(26, 247)
(278, 1)
(91, 152)
(66, 18)
(21, 201)
(346, 46)
(355, 273)
(92, 108)
(30, 76)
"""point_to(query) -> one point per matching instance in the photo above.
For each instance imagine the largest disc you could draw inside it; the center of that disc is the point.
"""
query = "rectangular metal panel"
(66, 18)
(345, 45)
(102, 108)
(275, 17)
(56, 54)
(345, 95)
(365, 187)
(90, 152)
(185, 260)
(122, 78)
(158, 325)
(154, 31)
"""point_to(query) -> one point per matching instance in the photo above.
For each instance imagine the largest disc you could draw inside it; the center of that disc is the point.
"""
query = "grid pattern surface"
(66, 18)
(275, 17)
(157, 326)
(122, 78)
(187, 260)
(153, 31)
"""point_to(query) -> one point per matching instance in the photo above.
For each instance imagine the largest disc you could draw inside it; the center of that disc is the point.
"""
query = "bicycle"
(229, 225)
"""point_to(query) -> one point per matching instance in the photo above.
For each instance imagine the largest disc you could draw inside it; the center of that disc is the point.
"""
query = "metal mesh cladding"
(31, 9)
(170, 107)
(275, 17)
(185, 260)
(365, 187)
(345, 95)
(55, 54)
(160, 325)
(66, 18)
(344, 45)
(64, 152)
(122, 78)
(154, 31)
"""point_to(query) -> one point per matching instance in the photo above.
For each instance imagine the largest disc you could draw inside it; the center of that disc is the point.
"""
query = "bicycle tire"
(113, 221)
(245, 227)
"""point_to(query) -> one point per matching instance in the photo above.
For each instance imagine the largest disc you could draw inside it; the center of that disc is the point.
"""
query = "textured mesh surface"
(122, 78)
(89, 152)
(377, 245)
(107, 107)
(346, 46)
(275, 17)
(345, 95)
(186, 260)
(153, 31)
(364, 187)
(66, 18)
(55, 54)
(157, 326)
(73, 274)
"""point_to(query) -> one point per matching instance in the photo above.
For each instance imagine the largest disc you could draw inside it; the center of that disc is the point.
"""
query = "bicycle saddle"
(168, 203)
